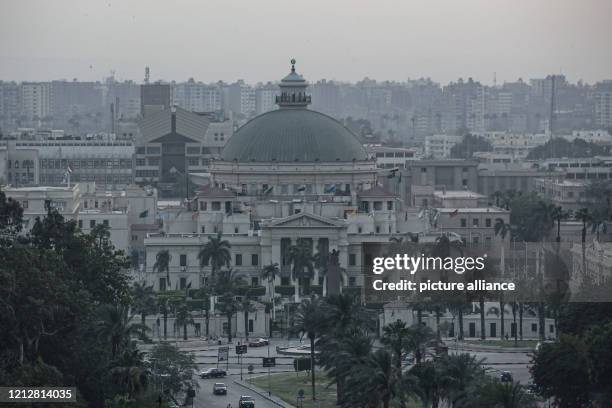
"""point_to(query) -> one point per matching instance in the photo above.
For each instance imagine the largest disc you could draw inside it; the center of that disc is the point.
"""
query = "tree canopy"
(469, 145)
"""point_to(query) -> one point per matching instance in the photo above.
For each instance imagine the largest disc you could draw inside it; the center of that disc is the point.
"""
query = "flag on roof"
(302, 188)
(393, 172)
(454, 213)
(144, 214)
(330, 189)
(268, 190)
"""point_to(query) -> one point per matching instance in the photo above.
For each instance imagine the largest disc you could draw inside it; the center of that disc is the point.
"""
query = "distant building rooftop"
(449, 194)
(377, 191)
(472, 210)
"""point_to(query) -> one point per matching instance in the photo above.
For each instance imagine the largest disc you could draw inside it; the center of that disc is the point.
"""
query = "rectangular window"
(254, 259)
(92, 223)
(216, 206)
(488, 222)
(105, 222)
(162, 284)
(389, 205)
(250, 325)
(238, 261)
(352, 259)
(203, 229)
(183, 283)
(351, 281)
(254, 281)
(475, 222)
(183, 260)
(203, 205)
(81, 224)
(464, 222)
(377, 205)
(534, 327)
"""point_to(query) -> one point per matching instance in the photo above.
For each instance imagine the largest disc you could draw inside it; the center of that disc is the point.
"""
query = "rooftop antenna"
(147, 75)
(494, 79)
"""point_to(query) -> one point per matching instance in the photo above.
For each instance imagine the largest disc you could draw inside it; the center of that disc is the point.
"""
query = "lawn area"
(503, 343)
(286, 386)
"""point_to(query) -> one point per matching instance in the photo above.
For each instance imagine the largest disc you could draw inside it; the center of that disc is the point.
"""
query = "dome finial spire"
(293, 90)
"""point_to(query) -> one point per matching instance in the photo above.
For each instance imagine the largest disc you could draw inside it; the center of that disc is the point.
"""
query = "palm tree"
(134, 259)
(128, 372)
(397, 338)
(345, 337)
(583, 215)
(503, 229)
(270, 272)
(115, 326)
(487, 272)
(377, 380)
(497, 196)
(558, 214)
(340, 355)
(226, 285)
(418, 336)
(309, 320)
(383, 376)
(143, 300)
(345, 314)
(431, 382)
(183, 318)
(444, 247)
(162, 264)
(162, 304)
(300, 255)
(508, 197)
(247, 307)
(216, 252)
(463, 370)
(493, 393)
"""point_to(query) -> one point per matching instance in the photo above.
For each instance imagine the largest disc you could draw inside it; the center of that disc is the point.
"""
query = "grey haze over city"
(342, 40)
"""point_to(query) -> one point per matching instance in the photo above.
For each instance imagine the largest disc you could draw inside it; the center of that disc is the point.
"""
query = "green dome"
(290, 135)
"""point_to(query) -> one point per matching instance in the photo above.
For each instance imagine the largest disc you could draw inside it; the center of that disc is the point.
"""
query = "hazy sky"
(334, 39)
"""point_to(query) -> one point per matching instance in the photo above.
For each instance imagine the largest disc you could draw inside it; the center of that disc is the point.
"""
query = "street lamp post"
(269, 384)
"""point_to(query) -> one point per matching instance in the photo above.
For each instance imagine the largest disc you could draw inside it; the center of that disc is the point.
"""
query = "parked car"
(246, 402)
(219, 389)
(258, 342)
(505, 376)
(213, 373)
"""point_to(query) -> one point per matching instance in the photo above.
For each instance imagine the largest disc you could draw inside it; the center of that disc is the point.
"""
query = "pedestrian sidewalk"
(488, 347)
(264, 394)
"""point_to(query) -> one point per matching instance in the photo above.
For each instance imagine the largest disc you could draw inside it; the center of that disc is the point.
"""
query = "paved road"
(517, 363)
(206, 399)
(496, 361)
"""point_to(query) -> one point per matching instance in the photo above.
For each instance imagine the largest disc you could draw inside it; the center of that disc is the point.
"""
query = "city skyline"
(232, 40)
